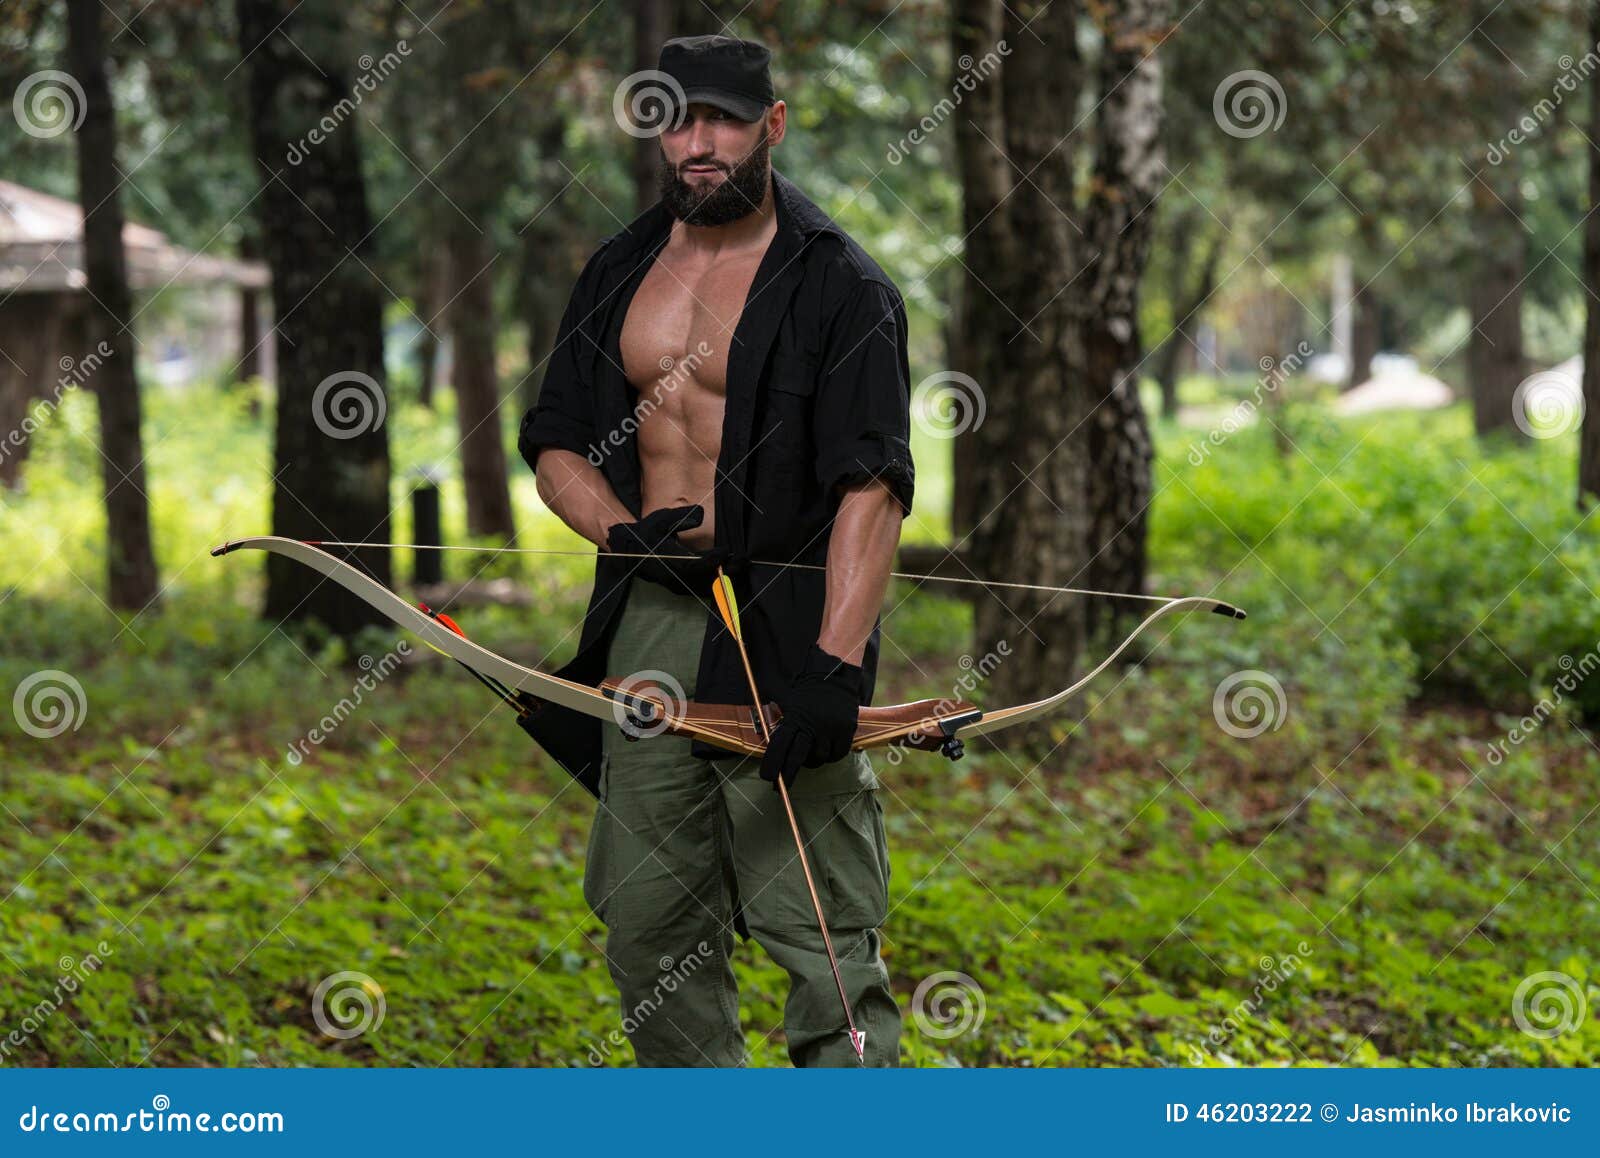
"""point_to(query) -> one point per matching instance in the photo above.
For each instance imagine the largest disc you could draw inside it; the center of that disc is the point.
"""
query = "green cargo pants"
(680, 845)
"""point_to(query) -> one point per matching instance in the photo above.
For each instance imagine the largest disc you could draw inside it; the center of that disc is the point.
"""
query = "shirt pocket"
(788, 443)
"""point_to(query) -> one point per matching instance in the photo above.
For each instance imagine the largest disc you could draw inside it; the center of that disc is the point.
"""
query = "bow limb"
(567, 693)
(637, 706)
(1002, 718)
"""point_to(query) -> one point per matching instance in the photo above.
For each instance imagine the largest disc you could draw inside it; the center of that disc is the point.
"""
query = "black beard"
(738, 195)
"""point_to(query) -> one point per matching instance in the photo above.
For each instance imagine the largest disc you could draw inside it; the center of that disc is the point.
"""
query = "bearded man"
(729, 388)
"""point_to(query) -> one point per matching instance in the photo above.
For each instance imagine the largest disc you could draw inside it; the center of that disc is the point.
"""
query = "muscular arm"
(866, 532)
(578, 493)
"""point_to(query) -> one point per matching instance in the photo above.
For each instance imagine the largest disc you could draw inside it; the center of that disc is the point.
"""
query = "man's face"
(715, 166)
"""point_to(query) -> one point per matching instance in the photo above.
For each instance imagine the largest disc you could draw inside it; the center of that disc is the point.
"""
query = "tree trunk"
(331, 476)
(132, 582)
(472, 342)
(550, 255)
(1589, 436)
(1495, 363)
(33, 368)
(1366, 335)
(1029, 459)
(650, 30)
(979, 320)
(1180, 248)
(432, 293)
(1498, 249)
(1128, 176)
(250, 336)
(1188, 306)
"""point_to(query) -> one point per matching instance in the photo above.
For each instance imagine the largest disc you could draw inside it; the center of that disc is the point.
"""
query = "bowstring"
(755, 562)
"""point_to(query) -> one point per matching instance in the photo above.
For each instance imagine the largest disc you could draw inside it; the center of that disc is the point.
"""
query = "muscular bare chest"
(680, 324)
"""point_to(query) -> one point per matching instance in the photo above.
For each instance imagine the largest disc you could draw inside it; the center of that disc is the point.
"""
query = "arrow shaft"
(728, 609)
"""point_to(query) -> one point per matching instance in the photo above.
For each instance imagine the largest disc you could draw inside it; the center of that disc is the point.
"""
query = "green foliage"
(1359, 884)
(1402, 528)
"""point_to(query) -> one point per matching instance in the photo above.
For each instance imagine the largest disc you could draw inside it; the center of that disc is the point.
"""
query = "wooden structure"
(43, 344)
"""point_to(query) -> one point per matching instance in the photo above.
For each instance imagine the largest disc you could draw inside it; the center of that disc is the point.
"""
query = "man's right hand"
(666, 559)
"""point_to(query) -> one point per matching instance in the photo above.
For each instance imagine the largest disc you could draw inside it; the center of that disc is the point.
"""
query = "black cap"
(722, 71)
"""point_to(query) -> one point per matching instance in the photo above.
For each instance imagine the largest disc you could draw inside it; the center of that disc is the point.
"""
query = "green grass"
(1362, 875)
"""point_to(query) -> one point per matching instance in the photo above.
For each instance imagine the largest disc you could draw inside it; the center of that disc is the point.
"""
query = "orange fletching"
(441, 617)
(727, 606)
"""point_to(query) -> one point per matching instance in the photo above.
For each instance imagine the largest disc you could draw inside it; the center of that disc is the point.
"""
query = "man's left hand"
(820, 710)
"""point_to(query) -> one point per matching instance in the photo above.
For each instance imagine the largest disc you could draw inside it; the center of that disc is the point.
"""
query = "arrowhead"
(858, 1039)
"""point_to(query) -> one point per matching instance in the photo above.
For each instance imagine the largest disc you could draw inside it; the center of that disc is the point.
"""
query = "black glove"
(820, 710)
(671, 563)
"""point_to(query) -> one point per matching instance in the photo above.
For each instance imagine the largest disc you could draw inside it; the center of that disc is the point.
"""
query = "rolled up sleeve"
(863, 410)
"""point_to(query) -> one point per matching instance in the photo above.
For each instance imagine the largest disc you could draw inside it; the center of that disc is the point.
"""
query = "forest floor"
(1326, 835)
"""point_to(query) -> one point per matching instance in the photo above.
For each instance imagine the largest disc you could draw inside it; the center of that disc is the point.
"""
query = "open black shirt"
(817, 400)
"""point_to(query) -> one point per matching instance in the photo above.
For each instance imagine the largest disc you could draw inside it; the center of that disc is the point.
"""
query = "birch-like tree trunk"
(1119, 214)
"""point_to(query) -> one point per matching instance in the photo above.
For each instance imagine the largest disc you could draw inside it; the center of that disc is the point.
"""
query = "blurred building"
(196, 316)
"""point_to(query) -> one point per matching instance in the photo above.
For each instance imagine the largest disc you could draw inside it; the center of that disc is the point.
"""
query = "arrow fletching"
(727, 604)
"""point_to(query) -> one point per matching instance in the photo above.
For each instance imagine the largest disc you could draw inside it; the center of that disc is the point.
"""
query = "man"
(730, 387)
